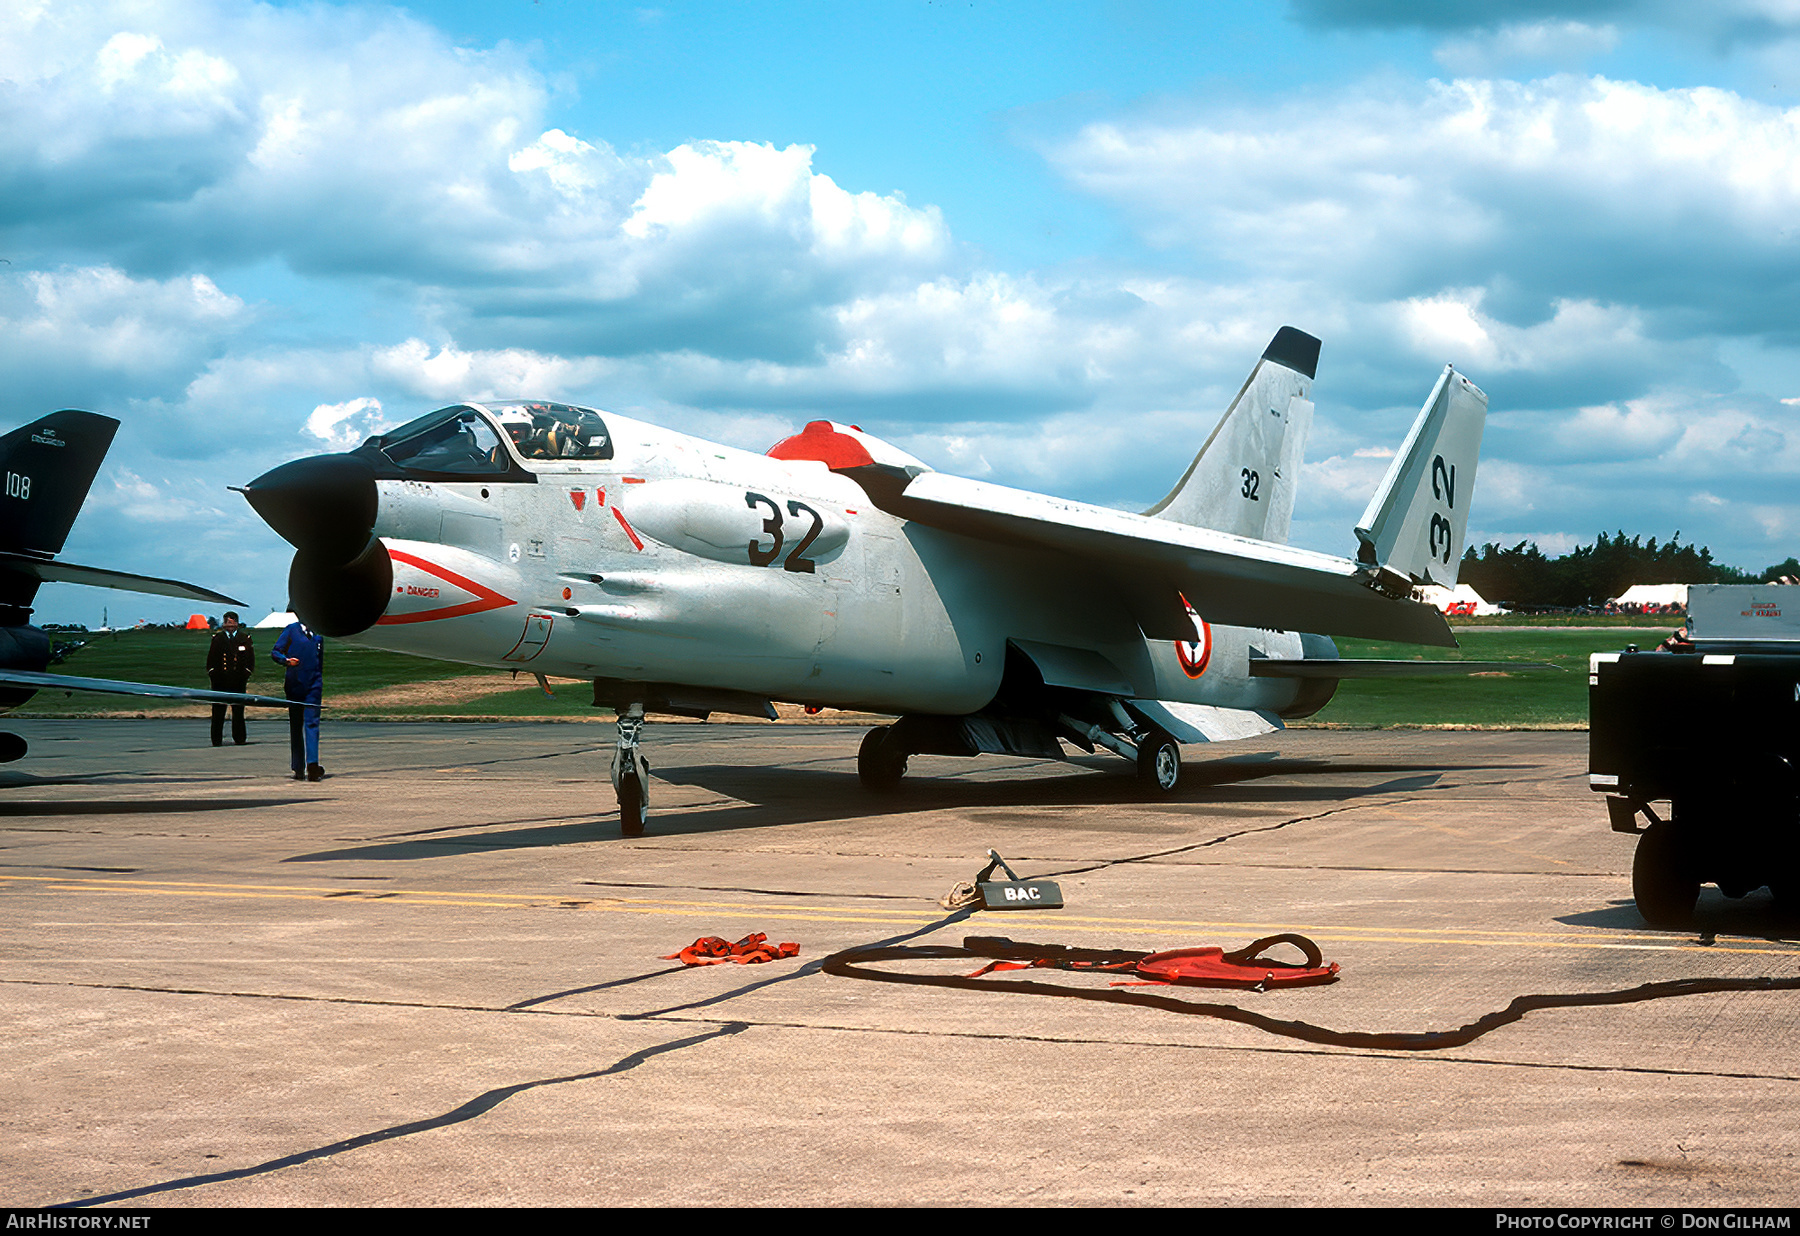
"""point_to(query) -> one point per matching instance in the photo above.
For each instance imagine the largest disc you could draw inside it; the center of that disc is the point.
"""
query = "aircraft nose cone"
(324, 505)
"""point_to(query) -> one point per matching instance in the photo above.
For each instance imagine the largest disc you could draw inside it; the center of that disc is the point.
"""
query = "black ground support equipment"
(1714, 733)
(863, 963)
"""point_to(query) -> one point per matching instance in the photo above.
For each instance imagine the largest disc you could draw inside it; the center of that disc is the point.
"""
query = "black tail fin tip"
(1296, 349)
(48, 467)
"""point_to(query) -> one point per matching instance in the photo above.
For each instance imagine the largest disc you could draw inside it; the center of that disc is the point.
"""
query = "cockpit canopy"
(465, 440)
(553, 430)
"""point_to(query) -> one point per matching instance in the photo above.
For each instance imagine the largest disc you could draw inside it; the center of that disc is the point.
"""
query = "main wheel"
(1159, 763)
(880, 763)
(1663, 879)
(631, 806)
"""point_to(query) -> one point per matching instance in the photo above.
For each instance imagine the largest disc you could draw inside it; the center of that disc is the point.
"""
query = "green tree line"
(1591, 574)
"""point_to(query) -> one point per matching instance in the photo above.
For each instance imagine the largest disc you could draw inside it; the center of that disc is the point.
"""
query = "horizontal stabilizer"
(111, 686)
(1331, 667)
(52, 572)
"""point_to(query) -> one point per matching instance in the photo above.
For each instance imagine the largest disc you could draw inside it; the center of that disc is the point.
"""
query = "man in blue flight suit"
(303, 655)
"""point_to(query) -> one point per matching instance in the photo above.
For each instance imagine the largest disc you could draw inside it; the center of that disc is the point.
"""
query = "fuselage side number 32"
(766, 555)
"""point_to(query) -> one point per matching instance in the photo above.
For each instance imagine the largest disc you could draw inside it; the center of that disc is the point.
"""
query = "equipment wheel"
(1784, 885)
(1663, 879)
(1159, 763)
(1786, 890)
(631, 806)
(880, 763)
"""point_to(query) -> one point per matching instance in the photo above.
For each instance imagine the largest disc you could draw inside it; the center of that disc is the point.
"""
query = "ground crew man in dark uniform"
(230, 660)
(302, 654)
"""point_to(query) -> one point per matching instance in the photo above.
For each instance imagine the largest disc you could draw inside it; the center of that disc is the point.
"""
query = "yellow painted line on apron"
(785, 912)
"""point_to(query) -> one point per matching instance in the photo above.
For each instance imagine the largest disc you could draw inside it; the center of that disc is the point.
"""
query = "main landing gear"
(1158, 763)
(1154, 754)
(631, 773)
(881, 760)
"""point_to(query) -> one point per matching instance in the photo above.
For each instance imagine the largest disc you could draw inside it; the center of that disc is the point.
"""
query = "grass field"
(178, 659)
(1556, 697)
(368, 683)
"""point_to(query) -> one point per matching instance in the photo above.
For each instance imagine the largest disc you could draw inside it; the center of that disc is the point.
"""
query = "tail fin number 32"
(1443, 488)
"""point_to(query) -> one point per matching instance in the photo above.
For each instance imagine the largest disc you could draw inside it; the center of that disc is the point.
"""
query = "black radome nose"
(324, 506)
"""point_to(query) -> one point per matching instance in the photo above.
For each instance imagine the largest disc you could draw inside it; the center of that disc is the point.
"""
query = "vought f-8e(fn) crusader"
(838, 571)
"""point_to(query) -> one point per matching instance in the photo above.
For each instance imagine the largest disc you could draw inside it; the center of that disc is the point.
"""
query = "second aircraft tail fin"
(1242, 481)
(48, 467)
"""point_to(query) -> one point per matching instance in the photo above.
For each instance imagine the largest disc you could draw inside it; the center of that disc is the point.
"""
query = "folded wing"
(1411, 534)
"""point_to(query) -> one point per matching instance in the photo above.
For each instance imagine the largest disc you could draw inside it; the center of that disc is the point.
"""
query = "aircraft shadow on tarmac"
(137, 806)
(766, 797)
(1755, 915)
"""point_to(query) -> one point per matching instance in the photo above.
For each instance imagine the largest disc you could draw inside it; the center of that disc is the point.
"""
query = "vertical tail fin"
(1242, 481)
(48, 467)
(1414, 528)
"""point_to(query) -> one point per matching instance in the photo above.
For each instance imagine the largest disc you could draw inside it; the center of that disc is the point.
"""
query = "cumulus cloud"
(1720, 18)
(1558, 44)
(92, 334)
(1578, 245)
(1565, 189)
(364, 144)
(343, 425)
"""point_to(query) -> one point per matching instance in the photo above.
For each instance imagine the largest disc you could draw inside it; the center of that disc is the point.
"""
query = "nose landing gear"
(631, 773)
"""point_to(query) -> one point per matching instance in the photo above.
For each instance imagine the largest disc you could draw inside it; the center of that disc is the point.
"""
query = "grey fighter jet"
(838, 571)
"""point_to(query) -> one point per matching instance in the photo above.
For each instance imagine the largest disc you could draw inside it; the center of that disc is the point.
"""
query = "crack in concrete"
(1219, 840)
(477, 1106)
(768, 892)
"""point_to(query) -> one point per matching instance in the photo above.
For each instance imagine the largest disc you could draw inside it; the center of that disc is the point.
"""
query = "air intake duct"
(325, 507)
(339, 599)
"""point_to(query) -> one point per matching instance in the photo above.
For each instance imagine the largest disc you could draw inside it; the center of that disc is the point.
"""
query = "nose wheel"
(631, 773)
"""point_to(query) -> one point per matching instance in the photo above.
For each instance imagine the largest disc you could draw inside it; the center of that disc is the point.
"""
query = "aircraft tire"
(1662, 878)
(880, 763)
(1159, 763)
(631, 806)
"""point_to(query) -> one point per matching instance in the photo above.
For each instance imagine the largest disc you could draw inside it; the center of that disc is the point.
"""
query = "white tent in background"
(1462, 601)
(1653, 595)
(275, 621)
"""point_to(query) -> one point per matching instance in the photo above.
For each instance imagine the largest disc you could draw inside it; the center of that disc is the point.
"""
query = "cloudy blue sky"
(1039, 243)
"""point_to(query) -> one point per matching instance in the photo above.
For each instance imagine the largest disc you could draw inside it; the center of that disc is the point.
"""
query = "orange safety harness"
(716, 951)
(1188, 967)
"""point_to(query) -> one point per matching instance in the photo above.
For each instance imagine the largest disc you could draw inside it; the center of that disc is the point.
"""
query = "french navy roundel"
(1194, 654)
